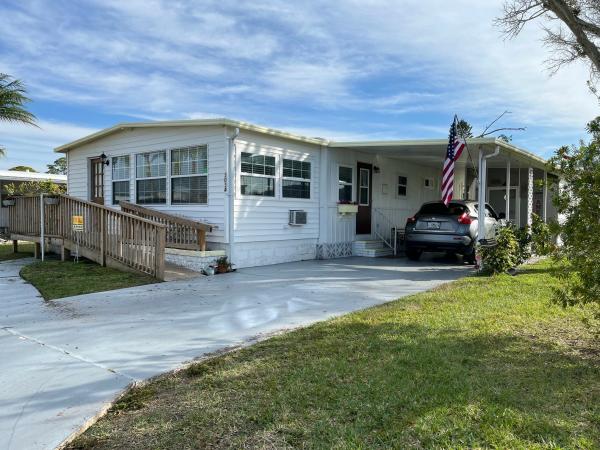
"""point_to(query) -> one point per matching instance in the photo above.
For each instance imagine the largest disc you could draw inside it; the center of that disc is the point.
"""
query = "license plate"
(433, 225)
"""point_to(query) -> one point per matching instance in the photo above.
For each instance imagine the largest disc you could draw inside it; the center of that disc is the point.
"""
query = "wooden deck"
(106, 236)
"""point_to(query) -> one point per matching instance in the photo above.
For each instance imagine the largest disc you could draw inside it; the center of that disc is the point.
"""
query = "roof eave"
(188, 123)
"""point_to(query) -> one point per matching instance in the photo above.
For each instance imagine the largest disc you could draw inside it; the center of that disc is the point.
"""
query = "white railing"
(386, 229)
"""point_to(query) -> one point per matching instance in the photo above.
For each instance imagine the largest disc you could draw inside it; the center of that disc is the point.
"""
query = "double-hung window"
(151, 178)
(120, 179)
(257, 175)
(402, 184)
(345, 184)
(296, 179)
(189, 175)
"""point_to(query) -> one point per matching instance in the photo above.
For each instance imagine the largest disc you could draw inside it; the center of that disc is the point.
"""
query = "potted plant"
(8, 202)
(346, 207)
(223, 265)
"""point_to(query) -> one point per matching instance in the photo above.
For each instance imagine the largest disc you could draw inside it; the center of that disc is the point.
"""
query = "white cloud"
(381, 67)
(27, 145)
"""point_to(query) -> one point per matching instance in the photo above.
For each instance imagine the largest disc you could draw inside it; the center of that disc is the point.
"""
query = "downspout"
(482, 187)
(230, 186)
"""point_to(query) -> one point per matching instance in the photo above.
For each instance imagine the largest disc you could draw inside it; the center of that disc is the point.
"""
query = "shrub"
(542, 240)
(523, 244)
(502, 256)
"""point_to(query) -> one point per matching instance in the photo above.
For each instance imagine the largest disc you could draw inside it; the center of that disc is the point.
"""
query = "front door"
(97, 180)
(364, 196)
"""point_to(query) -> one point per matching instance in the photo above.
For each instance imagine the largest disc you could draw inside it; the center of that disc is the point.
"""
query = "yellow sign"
(77, 223)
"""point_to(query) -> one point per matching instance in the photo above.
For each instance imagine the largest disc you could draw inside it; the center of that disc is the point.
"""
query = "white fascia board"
(188, 123)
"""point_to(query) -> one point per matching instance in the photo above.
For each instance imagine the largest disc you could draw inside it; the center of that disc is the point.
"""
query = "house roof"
(15, 175)
(189, 123)
(423, 146)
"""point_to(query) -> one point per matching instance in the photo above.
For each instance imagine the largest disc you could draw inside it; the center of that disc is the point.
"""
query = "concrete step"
(359, 245)
(374, 252)
(371, 249)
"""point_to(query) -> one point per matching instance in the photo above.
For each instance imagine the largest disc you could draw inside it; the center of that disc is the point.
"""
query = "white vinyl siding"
(265, 218)
(142, 140)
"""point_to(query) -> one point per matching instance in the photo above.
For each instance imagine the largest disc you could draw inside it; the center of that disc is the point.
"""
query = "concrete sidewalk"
(63, 361)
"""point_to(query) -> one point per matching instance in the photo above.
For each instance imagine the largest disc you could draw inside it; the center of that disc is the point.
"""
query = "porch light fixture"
(376, 169)
(104, 159)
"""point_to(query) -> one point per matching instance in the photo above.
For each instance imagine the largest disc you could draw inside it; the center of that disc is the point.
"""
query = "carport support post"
(482, 191)
(545, 195)
(481, 195)
(529, 197)
(507, 208)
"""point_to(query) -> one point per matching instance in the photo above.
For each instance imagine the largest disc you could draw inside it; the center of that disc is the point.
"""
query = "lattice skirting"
(334, 250)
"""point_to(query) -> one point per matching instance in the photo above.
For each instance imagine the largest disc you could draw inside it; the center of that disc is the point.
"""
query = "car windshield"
(453, 209)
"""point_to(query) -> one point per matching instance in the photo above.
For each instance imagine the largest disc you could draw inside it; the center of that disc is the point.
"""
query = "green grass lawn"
(25, 250)
(56, 279)
(479, 363)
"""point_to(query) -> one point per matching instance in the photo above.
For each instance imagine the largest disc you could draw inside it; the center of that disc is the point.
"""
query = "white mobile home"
(274, 197)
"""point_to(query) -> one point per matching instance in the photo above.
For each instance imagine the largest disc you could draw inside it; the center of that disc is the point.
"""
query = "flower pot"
(210, 270)
(8, 202)
(347, 208)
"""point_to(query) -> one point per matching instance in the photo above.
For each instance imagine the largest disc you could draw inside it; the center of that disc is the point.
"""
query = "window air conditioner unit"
(297, 217)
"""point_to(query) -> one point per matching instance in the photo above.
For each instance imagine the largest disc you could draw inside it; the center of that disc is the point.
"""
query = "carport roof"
(433, 150)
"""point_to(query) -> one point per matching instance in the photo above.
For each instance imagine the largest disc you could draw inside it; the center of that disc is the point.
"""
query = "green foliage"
(464, 129)
(542, 240)
(23, 169)
(12, 101)
(523, 237)
(579, 203)
(58, 167)
(34, 188)
(502, 256)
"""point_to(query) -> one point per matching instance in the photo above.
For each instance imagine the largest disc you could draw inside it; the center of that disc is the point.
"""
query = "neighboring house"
(246, 180)
(18, 177)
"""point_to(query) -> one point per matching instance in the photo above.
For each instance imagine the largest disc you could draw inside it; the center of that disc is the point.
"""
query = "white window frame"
(345, 183)
(367, 187)
(305, 180)
(258, 175)
(171, 176)
(114, 180)
(398, 184)
(166, 177)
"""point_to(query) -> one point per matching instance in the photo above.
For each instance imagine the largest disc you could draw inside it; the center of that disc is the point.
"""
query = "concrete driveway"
(63, 361)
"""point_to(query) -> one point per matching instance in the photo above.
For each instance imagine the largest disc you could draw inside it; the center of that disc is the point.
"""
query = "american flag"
(456, 145)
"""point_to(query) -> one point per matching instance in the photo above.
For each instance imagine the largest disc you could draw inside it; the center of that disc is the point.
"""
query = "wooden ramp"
(101, 234)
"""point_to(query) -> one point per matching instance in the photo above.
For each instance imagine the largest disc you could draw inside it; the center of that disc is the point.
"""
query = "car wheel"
(470, 258)
(413, 254)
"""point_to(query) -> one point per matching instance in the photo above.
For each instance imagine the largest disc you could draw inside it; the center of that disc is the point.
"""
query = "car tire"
(470, 258)
(414, 254)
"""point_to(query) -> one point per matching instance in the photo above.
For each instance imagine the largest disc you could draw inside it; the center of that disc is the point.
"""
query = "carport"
(515, 181)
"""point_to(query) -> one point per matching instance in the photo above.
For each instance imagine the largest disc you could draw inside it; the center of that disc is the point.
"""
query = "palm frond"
(13, 100)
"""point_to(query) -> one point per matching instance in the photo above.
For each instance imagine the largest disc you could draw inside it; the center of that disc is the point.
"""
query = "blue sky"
(346, 70)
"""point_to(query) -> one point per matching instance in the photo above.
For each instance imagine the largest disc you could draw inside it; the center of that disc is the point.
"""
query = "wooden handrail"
(108, 236)
(181, 232)
(126, 206)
